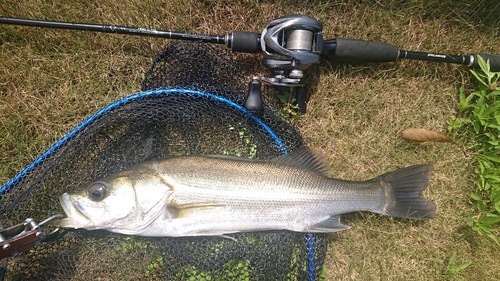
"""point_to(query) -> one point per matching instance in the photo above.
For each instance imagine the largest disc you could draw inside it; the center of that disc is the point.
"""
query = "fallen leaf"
(424, 135)
(419, 135)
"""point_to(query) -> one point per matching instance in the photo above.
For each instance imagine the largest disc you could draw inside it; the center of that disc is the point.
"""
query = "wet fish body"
(218, 195)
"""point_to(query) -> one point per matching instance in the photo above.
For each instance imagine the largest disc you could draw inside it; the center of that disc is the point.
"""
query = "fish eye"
(97, 191)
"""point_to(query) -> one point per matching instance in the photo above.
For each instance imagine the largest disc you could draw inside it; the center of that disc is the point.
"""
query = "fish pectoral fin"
(182, 210)
(332, 224)
(196, 205)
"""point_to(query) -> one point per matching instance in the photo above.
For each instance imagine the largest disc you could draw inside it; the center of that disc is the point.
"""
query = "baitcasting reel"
(290, 45)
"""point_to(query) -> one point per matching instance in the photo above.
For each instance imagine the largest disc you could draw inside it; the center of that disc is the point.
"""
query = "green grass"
(51, 79)
(480, 121)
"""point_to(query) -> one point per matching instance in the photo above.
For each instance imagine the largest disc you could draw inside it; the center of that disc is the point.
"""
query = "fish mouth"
(75, 218)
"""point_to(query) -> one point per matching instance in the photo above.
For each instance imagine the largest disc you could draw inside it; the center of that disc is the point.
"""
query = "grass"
(480, 121)
(51, 79)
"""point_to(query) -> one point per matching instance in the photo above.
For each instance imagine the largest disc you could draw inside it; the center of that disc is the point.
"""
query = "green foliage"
(233, 270)
(290, 109)
(481, 123)
(131, 243)
(245, 137)
(324, 275)
(239, 270)
(453, 269)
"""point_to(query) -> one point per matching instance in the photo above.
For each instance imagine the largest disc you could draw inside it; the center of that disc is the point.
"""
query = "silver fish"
(218, 195)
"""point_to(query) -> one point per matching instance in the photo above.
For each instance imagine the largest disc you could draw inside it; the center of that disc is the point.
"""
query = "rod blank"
(116, 29)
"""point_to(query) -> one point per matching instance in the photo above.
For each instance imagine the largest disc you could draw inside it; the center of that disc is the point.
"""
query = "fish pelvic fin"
(403, 193)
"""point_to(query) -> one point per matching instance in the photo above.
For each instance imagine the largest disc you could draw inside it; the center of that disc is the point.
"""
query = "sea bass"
(218, 195)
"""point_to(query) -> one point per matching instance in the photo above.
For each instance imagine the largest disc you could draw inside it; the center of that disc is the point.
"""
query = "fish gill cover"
(190, 104)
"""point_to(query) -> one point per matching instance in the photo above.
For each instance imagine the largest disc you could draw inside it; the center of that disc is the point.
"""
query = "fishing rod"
(290, 45)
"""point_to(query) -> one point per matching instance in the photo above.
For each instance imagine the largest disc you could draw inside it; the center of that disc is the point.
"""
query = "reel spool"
(291, 44)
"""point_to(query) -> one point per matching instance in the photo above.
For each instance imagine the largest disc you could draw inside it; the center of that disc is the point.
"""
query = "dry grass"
(51, 79)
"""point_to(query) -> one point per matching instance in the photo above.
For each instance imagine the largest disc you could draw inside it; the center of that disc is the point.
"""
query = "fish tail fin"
(403, 193)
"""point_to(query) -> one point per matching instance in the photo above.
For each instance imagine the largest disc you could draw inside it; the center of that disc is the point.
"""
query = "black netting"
(194, 113)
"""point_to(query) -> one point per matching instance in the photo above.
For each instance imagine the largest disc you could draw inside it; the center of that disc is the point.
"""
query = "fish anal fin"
(307, 158)
(216, 234)
(332, 224)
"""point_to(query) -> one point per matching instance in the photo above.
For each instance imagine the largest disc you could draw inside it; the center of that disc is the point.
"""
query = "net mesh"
(190, 104)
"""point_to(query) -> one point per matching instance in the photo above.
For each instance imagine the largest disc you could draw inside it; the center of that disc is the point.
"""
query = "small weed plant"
(453, 268)
(290, 109)
(480, 122)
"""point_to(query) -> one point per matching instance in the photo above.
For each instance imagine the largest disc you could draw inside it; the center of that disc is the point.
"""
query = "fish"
(216, 195)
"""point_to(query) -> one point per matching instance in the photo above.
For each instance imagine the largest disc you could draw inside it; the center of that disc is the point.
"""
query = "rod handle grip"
(352, 50)
(494, 61)
(244, 42)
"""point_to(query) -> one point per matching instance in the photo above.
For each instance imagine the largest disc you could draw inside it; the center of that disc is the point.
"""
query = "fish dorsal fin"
(307, 158)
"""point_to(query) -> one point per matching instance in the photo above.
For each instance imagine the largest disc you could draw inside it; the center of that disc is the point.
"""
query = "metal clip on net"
(23, 236)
